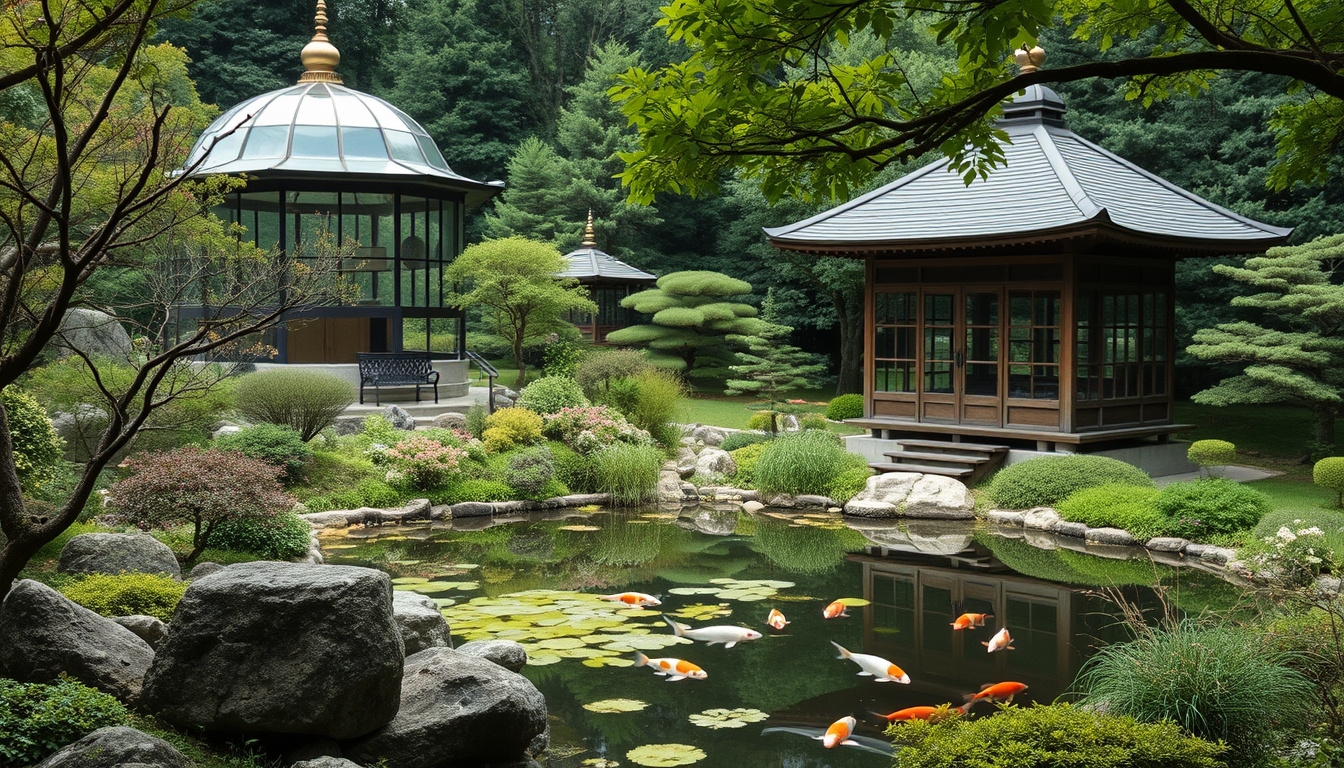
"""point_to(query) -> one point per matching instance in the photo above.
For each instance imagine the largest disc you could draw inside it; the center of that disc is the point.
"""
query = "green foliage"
(368, 493)
(473, 490)
(651, 399)
(845, 407)
(530, 469)
(509, 428)
(812, 421)
(1055, 735)
(426, 462)
(1293, 558)
(276, 444)
(130, 594)
(1217, 682)
(690, 319)
(1048, 480)
(285, 537)
(804, 462)
(550, 393)
(850, 482)
(746, 458)
(476, 415)
(38, 450)
(572, 468)
(771, 368)
(1211, 507)
(742, 439)
(563, 358)
(804, 549)
(628, 472)
(763, 421)
(1129, 507)
(1331, 524)
(1211, 453)
(377, 429)
(38, 719)
(306, 400)
(598, 370)
(1329, 473)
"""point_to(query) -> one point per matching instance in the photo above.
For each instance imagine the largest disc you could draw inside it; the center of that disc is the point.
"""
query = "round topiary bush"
(1129, 507)
(530, 469)
(803, 462)
(1211, 453)
(1048, 480)
(308, 401)
(285, 537)
(129, 594)
(509, 428)
(550, 394)
(845, 407)
(37, 719)
(1211, 507)
(1329, 474)
(276, 444)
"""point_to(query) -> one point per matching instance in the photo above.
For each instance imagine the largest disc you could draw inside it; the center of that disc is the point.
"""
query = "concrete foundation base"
(1157, 459)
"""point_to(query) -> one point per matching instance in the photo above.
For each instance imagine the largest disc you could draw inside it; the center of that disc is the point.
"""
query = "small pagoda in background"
(608, 280)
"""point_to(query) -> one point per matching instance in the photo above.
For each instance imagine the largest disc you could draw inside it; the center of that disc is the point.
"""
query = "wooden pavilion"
(609, 280)
(1036, 305)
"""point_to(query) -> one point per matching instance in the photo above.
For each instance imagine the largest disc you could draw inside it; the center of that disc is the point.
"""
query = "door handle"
(961, 358)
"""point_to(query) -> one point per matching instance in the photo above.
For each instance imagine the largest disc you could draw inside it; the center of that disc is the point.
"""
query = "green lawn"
(1269, 434)
(1295, 494)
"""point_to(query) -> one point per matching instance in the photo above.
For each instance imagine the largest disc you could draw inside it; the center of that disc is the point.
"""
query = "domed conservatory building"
(323, 160)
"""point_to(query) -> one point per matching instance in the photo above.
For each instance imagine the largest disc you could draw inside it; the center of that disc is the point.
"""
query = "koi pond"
(765, 702)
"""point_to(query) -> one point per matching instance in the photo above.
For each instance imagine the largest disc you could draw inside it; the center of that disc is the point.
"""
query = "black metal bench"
(396, 369)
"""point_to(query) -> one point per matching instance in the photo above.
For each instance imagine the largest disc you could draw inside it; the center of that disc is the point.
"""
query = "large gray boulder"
(96, 334)
(114, 553)
(911, 494)
(43, 633)
(715, 461)
(81, 428)
(399, 417)
(508, 654)
(147, 628)
(456, 711)
(286, 648)
(118, 747)
(450, 420)
(420, 621)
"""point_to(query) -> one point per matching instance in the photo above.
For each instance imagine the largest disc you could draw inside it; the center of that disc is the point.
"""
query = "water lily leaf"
(339, 546)
(410, 580)
(542, 659)
(403, 562)
(728, 718)
(702, 611)
(444, 602)
(636, 522)
(694, 590)
(599, 762)
(665, 755)
(561, 643)
(853, 602)
(588, 508)
(579, 528)
(607, 706)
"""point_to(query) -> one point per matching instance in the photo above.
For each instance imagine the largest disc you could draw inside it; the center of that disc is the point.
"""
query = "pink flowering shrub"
(426, 462)
(587, 429)
(200, 488)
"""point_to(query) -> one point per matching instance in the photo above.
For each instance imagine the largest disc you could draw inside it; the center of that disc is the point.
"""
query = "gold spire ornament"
(589, 239)
(319, 56)
(1029, 60)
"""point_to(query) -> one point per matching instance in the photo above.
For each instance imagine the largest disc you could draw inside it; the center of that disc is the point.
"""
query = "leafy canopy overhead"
(771, 88)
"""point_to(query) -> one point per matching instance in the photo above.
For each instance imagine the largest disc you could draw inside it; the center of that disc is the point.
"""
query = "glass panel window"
(1033, 345)
(314, 141)
(894, 339)
(363, 142)
(266, 141)
(431, 152)
(404, 147)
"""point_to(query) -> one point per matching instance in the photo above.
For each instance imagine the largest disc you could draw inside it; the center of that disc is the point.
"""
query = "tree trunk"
(1325, 427)
(850, 380)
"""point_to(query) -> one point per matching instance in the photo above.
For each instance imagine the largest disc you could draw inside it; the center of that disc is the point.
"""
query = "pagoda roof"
(588, 263)
(1053, 184)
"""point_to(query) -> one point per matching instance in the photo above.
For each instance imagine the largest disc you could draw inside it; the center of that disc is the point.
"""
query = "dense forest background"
(516, 90)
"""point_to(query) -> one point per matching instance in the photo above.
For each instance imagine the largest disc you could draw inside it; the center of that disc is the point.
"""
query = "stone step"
(923, 469)
(942, 446)
(936, 458)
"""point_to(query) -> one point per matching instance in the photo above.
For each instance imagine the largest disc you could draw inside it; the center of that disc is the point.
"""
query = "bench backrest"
(394, 365)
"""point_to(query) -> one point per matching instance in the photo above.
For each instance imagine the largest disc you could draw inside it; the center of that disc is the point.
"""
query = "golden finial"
(319, 56)
(1029, 60)
(589, 239)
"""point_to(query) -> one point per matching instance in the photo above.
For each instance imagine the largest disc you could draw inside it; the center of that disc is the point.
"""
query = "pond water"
(538, 581)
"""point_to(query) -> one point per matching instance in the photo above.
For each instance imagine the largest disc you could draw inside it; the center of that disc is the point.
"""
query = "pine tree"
(772, 368)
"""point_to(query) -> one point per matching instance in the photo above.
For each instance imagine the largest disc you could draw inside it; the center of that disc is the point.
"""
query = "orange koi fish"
(970, 620)
(996, 692)
(874, 666)
(919, 713)
(1000, 641)
(839, 733)
(633, 599)
(776, 619)
(673, 669)
(835, 609)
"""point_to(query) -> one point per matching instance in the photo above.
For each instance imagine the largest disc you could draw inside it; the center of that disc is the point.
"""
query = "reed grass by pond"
(538, 581)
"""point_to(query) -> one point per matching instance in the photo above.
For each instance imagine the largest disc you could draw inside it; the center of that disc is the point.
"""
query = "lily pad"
(579, 528)
(853, 602)
(599, 762)
(728, 718)
(410, 580)
(665, 755)
(694, 590)
(702, 611)
(607, 706)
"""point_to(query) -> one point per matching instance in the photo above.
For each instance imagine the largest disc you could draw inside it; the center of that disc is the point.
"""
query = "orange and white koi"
(839, 733)
(995, 692)
(776, 619)
(674, 669)
(729, 636)
(874, 666)
(970, 620)
(1000, 641)
(835, 609)
(633, 599)
(920, 713)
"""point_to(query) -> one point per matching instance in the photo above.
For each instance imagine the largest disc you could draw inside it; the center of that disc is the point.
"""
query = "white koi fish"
(730, 636)
(674, 669)
(1000, 641)
(839, 733)
(874, 666)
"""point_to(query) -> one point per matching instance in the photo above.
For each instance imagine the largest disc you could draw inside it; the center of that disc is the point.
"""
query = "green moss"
(127, 594)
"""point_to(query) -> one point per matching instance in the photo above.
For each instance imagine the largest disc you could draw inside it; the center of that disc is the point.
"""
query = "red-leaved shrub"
(201, 488)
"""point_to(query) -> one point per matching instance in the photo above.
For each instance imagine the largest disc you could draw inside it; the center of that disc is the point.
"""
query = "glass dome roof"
(319, 127)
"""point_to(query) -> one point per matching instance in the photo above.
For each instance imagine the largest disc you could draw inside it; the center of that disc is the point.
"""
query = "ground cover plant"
(1211, 507)
(1114, 505)
(129, 594)
(37, 719)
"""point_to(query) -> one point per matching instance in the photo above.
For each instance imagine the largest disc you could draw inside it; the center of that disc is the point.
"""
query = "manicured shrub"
(37, 719)
(591, 428)
(285, 537)
(812, 421)
(1331, 524)
(1053, 735)
(1329, 474)
(1211, 507)
(200, 488)
(736, 440)
(530, 469)
(628, 472)
(760, 421)
(597, 371)
(850, 482)
(1048, 480)
(1116, 506)
(426, 462)
(573, 469)
(38, 450)
(473, 490)
(308, 401)
(803, 462)
(845, 407)
(746, 458)
(1169, 672)
(551, 393)
(509, 428)
(274, 444)
(128, 594)
(377, 430)
(1292, 557)
(1211, 453)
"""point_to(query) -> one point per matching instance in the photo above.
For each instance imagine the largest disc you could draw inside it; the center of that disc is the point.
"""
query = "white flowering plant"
(1293, 556)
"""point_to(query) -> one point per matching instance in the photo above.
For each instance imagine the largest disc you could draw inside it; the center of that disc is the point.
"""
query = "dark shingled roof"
(1053, 182)
(588, 263)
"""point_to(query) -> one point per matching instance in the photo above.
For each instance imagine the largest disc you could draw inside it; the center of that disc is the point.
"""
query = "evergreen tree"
(533, 204)
(771, 368)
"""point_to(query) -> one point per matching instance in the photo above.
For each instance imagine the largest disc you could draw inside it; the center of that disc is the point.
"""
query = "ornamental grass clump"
(199, 488)
(1217, 682)
(37, 719)
(308, 401)
(426, 462)
(804, 462)
(628, 472)
(1048, 480)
